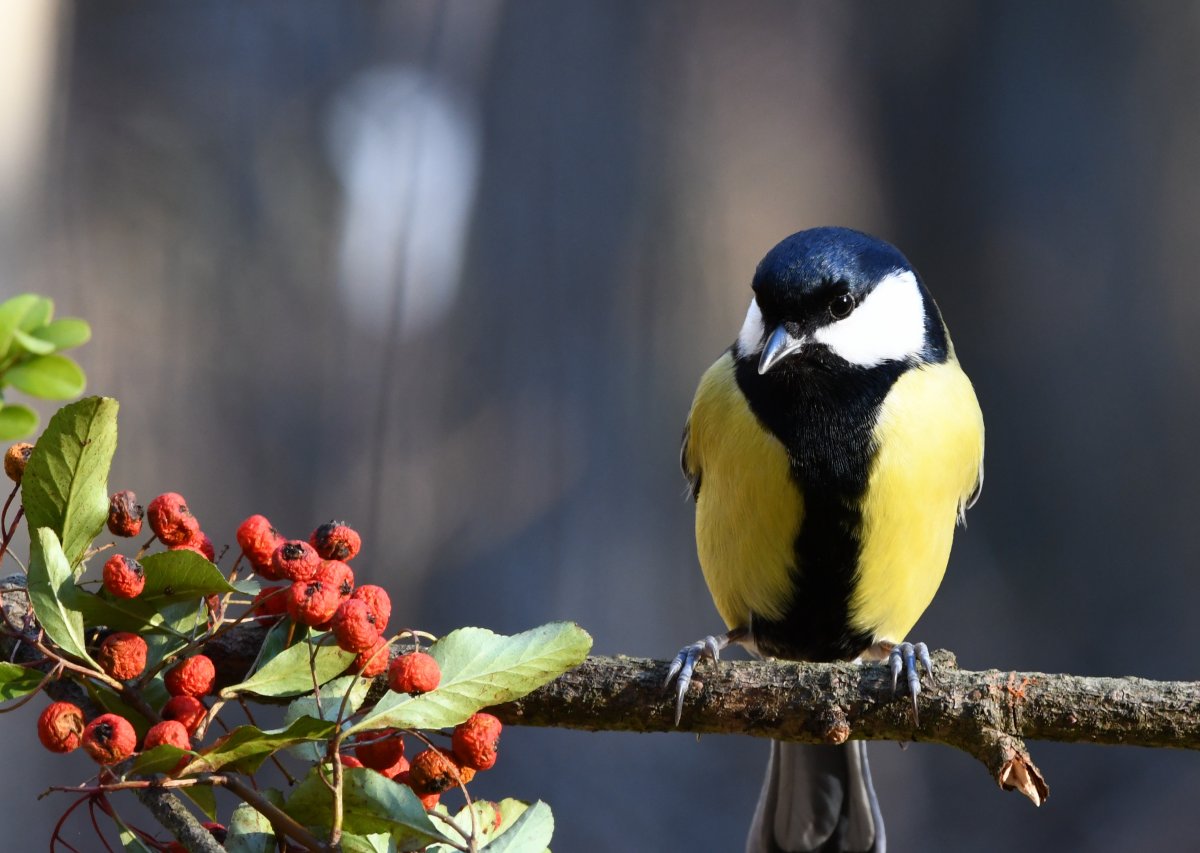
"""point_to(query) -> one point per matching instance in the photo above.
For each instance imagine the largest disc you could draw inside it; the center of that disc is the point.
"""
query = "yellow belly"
(930, 439)
(749, 511)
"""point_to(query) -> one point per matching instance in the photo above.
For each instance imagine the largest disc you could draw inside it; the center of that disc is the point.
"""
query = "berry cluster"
(312, 584)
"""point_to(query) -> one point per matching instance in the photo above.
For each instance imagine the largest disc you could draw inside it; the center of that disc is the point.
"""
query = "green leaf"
(113, 704)
(249, 832)
(480, 668)
(51, 377)
(39, 313)
(67, 333)
(371, 803)
(12, 315)
(65, 485)
(52, 590)
(377, 843)
(160, 759)
(16, 681)
(331, 703)
(177, 620)
(16, 421)
(31, 343)
(204, 797)
(245, 748)
(530, 833)
(274, 643)
(289, 672)
(130, 842)
(181, 574)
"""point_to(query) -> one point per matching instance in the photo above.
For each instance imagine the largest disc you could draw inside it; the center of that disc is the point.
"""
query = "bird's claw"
(903, 658)
(684, 665)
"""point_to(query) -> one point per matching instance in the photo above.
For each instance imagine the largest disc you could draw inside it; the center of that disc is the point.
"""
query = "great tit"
(830, 452)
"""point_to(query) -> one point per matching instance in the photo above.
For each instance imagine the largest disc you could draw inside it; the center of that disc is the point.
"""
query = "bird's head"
(841, 296)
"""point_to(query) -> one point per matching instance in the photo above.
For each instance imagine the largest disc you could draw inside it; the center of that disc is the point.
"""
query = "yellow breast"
(749, 511)
(930, 449)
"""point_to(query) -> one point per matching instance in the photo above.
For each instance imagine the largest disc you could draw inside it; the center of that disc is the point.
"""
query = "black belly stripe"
(824, 414)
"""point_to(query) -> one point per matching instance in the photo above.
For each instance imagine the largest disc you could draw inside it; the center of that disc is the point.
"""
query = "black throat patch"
(824, 412)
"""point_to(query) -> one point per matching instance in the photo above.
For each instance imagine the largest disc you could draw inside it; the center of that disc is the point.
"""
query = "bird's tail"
(817, 798)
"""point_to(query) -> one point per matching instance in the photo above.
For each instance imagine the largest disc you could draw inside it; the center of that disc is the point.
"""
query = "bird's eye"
(841, 306)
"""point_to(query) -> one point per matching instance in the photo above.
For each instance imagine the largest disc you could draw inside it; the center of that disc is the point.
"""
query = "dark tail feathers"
(817, 798)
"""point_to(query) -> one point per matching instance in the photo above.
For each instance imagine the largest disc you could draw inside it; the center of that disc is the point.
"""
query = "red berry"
(295, 560)
(124, 576)
(187, 710)
(169, 732)
(60, 727)
(374, 661)
(312, 602)
(398, 771)
(377, 598)
(337, 575)
(270, 603)
(171, 520)
(335, 540)
(15, 460)
(124, 514)
(475, 741)
(349, 760)
(109, 738)
(380, 749)
(414, 673)
(354, 626)
(258, 541)
(201, 544)
(429, 801)
(194, 676)
(122, 655)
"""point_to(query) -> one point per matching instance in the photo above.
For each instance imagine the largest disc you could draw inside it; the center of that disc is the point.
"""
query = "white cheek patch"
(750, 338)
(889, 325)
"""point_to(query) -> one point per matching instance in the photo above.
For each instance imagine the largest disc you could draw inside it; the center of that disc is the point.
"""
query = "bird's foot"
(685, 663)
(903, 658)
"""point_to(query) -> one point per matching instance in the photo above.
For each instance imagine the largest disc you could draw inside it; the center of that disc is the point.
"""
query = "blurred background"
(451, 270)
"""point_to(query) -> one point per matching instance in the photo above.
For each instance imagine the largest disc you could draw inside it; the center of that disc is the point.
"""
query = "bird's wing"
(690, 470)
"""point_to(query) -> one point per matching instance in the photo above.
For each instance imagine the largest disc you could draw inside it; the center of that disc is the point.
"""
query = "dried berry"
(414, 673)
(354, 626)
(336, 540)
(435, 771)
(258, 541)
(194, 676)
(60, 727)
(124, 576)
(349, 760)
(122, 655)
(109, 738)
(374, 661)
(171, 520)
(169, 732)
(295, 560)
(429, 801)
(15, 460)
(475, 741)
(124, 514)
(187, 710)
(378, 600)
(338, 576)
(380, 749)
(312, 602)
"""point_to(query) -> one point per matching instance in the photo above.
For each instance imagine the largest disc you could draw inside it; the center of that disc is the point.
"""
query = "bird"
(831, 452)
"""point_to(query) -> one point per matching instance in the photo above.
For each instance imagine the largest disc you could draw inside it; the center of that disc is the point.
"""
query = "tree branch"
(987, 714)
